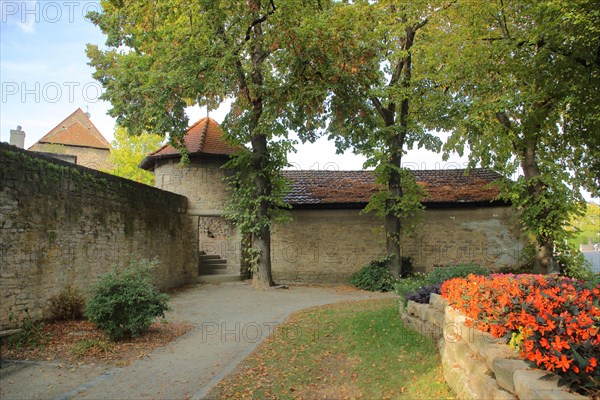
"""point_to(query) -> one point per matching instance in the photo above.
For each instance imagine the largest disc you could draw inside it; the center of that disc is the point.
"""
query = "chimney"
(17, 137)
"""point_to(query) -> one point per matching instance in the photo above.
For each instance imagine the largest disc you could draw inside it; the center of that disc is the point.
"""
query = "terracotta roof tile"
(205, 137)
(76, 130)
(345, 187)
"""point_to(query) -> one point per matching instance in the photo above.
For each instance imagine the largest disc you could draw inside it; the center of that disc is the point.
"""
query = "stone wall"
(86, 156)
(476, 365)
(330, 245)
(201, 182)
(62, 224)
(485, 235)
(324, 245)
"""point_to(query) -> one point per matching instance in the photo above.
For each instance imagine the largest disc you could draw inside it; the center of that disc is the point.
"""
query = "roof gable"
(76, 130)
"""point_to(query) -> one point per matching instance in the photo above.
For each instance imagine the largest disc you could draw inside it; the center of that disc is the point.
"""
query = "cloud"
(22, 14)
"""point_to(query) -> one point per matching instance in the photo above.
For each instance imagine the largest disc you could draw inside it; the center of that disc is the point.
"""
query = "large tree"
(165, 55)
(372, 66)
(526, 75)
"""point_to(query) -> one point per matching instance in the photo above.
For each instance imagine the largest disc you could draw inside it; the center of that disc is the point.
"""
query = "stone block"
(438, 302)
(533, 384)
(504, 370)
(489, 347)
(434, 316)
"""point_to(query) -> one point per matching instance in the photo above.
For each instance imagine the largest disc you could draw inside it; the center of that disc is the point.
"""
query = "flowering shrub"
(552, 321)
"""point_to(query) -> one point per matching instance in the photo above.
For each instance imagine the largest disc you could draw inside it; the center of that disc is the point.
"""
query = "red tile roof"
(356, 187)
(76, 130)
(205, 137)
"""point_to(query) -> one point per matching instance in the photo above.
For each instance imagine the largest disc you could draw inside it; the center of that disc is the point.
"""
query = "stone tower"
(202, 182)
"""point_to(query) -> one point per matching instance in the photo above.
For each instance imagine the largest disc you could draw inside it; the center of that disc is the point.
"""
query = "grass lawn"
(341, 351)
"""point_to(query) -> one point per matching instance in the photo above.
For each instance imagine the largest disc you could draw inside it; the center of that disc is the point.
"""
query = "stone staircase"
(213, 269)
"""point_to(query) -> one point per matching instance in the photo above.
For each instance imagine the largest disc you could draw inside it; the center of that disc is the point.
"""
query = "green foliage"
(68, 304)
(127, 153)
(586, 227)
(31, 335)
(374, 277)
(84, 345)
(526, 78)
(413, 285)
(571, 262)
(407, 207)
(442, 274)
(124, 302)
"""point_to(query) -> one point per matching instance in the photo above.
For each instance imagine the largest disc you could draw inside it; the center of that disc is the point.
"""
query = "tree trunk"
(261, 239)
(546, 264)
(393, 225)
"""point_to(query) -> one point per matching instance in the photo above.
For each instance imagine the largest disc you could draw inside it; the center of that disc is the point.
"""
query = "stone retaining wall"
(63, 224)
(477, 365)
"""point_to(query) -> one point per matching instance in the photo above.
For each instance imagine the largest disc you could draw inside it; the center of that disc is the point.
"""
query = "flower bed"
(552, 321)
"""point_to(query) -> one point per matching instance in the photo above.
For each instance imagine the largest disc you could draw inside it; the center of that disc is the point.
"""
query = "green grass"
(349, 350)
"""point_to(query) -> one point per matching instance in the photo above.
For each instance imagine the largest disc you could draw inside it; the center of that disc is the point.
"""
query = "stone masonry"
(62, 224)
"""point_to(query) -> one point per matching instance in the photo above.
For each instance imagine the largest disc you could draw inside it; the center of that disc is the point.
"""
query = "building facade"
(328, 237)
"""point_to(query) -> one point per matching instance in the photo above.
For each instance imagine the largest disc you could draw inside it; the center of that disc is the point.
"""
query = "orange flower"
(591, 366)
(564, 363)
(559, 344)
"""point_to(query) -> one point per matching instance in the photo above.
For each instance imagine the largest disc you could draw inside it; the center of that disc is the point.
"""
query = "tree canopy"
(526, 77)
(127, 153)
(164, 56)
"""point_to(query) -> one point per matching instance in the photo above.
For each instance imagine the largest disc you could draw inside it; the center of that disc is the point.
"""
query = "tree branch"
(260, 20)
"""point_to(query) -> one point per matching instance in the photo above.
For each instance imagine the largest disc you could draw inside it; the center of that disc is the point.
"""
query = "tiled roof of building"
(76, 130)
(357, 187)
(205, 137)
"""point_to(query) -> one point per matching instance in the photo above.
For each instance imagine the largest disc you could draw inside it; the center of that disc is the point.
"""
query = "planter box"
(476, 365)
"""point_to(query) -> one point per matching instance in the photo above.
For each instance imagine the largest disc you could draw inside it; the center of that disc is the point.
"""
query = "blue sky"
(45, 77)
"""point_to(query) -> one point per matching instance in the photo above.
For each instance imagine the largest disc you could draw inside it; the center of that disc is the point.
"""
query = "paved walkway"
(230, 319)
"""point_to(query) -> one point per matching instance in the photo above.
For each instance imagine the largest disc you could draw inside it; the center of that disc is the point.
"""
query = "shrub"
(406, 286)
(68, 304)
(374, 277)
(31, 335)
(423, 294)
(442, 274)
(552, 320)
(125, 302)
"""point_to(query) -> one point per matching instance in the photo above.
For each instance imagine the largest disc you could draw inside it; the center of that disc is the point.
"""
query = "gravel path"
(230, 320)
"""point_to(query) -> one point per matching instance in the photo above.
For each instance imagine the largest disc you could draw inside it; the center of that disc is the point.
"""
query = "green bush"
(68, 304)
(125, 302)
(31, 334)
(407, 286)
(442, 274)
(374, 277)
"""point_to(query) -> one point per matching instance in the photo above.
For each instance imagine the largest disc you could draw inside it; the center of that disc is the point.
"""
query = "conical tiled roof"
(76, 130)
(203, 137)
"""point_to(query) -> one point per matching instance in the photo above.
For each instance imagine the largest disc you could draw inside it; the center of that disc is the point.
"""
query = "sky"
(44, 77)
